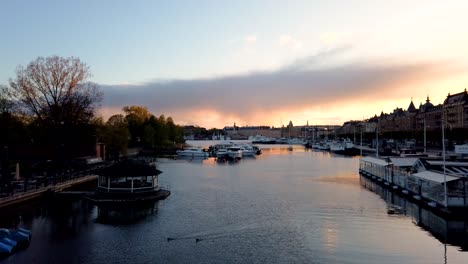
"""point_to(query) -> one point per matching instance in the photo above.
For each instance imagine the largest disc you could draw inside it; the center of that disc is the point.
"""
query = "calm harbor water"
(284, 206)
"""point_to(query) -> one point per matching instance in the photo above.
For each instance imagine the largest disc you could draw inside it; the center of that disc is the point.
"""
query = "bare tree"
(56, 90)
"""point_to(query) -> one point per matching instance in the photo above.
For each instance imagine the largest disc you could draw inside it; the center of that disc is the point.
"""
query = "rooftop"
(130, 168)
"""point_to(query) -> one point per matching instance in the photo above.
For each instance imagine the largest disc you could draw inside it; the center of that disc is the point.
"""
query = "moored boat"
(222, 154)
(192, 152)
(262, 140)
(234, 153)
(249, 150)
(324, 146)
(295, 141)
(344, 147)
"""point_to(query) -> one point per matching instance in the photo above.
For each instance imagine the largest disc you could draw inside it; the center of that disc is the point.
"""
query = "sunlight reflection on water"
(284, 206)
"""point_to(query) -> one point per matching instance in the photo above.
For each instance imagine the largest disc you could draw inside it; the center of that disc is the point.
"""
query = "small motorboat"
(234, 153)
(192, 152)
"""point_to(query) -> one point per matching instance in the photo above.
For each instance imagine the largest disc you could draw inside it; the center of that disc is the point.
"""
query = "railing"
(37, 183)
(127, 190)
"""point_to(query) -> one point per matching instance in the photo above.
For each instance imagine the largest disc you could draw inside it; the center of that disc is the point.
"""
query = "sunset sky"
(213, 63)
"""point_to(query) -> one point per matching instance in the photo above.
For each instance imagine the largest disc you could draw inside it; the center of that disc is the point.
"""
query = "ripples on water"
(285, 206)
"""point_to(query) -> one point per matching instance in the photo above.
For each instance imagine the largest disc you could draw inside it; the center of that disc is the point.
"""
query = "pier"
(29, 195)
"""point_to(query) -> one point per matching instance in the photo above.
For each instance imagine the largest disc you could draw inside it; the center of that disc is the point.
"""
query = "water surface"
(288, 205)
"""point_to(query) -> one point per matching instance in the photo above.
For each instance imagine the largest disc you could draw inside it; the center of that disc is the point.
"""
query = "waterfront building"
(430, 185)
(427, 116)
(456, 110)
(423, 177)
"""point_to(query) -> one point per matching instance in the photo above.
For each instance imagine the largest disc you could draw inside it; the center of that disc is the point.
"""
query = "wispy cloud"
(250, 39)
(329, 38)
(253, 98)
(290, 42)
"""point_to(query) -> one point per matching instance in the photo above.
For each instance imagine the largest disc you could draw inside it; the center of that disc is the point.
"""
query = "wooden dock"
(18, 198)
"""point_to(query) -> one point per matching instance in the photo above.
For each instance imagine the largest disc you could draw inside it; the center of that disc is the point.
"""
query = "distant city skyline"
(213, 63)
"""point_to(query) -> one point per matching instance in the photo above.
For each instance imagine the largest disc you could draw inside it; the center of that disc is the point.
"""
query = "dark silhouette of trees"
(135, 117)
(55, 90)
(7, 105)
(114, 133)
(48, 109)
(150, 131)
(138, 128)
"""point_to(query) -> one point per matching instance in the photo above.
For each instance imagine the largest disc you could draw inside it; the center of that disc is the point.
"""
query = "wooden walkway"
(33, 194)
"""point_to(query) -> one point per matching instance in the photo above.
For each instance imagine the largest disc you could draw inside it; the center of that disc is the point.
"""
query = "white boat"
(222, 153)
(282, 141)
(345, 147)
(234, 153)
(337, 147)
(192, 152)
(296, 141)
(249, 150)
(316, 145)
(324, 146)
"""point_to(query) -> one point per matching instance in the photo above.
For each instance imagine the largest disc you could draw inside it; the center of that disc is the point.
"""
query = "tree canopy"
(139, 128)
(55, 89)
(6, 104)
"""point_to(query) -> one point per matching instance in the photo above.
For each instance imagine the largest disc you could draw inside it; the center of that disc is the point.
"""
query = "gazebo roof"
(130, 168)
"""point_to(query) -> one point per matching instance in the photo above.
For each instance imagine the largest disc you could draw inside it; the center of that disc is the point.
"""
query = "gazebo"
(129, 176)
(128, 181)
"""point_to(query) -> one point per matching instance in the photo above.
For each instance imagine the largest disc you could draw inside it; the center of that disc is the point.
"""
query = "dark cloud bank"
(299, 85)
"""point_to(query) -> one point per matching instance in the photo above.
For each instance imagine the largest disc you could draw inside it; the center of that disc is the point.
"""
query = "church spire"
(411, 107)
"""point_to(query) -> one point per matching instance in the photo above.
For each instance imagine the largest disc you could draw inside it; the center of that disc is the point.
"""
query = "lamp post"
(443, 157)
(444, 121)
(377, 143)
(424, 134)
(361, 141)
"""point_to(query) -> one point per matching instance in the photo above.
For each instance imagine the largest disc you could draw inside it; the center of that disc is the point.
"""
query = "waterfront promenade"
(24, 196)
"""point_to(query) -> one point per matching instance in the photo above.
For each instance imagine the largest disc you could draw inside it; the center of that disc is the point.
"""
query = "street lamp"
(424, 134)
(361, 140)
(443, 158)
(443, 154)
(377, 143)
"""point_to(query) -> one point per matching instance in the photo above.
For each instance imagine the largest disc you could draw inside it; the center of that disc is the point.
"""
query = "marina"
(273, 208)
(234, 132)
